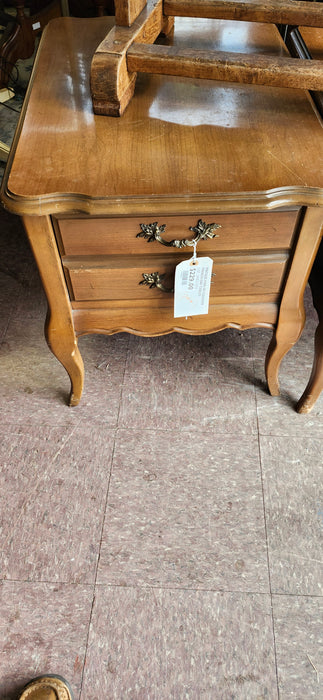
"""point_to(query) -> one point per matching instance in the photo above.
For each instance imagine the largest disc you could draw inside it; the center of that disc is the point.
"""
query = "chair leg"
(315, 384)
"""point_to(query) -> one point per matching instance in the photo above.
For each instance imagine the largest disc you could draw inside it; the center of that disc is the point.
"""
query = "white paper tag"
(192, 287)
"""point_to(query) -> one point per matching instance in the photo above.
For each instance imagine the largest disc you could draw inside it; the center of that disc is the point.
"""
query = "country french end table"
(185, 157)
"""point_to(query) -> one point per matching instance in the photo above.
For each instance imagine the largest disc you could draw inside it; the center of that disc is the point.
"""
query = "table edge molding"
(72, 203)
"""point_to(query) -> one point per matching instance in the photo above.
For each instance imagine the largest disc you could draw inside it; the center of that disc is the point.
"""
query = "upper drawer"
(92, 236)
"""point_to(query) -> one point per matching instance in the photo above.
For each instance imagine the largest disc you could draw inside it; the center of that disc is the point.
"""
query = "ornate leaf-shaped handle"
(154, 279)
(202, 230)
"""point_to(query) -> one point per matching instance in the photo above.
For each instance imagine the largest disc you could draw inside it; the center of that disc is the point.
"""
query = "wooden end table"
(245, 157)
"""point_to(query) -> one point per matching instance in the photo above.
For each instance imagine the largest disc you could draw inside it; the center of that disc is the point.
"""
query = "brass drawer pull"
(202, 231)
(154, 279)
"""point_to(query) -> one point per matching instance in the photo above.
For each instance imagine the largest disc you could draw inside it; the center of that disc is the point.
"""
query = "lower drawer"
(121, 280)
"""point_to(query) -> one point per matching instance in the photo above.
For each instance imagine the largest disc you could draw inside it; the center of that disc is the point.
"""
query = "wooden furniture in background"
(19, 38)
(4, 151)
(246, 157)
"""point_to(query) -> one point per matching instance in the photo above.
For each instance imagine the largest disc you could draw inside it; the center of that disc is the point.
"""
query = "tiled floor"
(163, 540)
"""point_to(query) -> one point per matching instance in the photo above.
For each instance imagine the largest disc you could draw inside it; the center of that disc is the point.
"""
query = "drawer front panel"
(109, 236)
(122, 281)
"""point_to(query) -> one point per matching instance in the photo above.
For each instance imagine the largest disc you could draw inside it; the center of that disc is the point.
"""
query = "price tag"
(192, 287)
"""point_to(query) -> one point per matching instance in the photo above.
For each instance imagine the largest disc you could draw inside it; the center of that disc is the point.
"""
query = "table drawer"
(120, 277)
(110, 236)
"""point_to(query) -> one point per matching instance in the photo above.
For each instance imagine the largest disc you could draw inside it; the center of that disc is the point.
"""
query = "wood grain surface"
(274, 11)
(227, 66)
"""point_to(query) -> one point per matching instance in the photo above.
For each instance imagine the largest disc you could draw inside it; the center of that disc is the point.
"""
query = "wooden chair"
(129, 48)
(305, 43)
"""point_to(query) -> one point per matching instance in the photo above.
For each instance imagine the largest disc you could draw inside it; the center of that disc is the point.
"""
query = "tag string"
(194, 257)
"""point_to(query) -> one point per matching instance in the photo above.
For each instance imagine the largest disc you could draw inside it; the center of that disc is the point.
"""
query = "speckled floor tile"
(168, 645)
(293, 489)
(32, 303)
(104, 361)
(15, 252)
(299, 646)
(43, 629)
(261, 337)
(9, 292)
(277, 414)
(15, 265)
(301, 352)
(185, 512)
(53, 485)
(35, 386)
(224, 344)
(215, 395)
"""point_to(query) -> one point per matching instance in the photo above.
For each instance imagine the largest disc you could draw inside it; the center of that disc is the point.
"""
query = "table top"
(181, 144)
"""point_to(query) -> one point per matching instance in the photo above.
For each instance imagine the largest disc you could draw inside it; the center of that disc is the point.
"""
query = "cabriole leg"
(66, 350)
(59, 327)
(280, 344)
(315, 384)
(291, 317)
